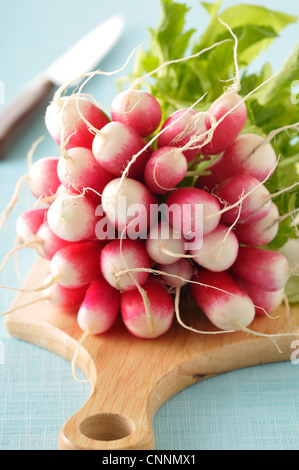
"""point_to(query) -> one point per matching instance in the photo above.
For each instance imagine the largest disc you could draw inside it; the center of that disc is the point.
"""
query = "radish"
(249, 155)
(77, 265)
(72, 218)
(123, 199)
(163, 244)
(123, 255)
(137, 108)
(165, 169)
(60, 190)
(176, 274)
(64, 123)
(222, 300)
(115, 146)
(29, 222)
(250, 199)
(42, 179)
(44, 241)
(268, 270)
(62, 297)
(210, 181)
(181, 129)
(265, 301)
(219, 249)
(79, 170)
(193, 212)
(104, 230)
(99, 308)
(230, 113)
(47, 243)
(134, 316)
(260, 232)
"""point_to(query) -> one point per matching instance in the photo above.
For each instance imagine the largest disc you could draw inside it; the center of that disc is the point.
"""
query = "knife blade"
(80, 58)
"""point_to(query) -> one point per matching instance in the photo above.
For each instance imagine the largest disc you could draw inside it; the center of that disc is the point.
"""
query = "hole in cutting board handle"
(107, 427)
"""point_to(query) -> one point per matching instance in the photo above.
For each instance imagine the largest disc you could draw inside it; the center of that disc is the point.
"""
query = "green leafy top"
(273, 106)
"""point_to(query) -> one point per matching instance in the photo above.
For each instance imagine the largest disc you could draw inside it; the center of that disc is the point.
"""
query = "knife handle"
(18, 113)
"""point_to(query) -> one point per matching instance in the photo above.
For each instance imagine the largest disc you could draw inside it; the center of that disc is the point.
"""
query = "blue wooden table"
(252, 408)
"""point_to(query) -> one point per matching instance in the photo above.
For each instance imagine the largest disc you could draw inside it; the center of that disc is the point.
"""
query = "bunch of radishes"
(210, 239)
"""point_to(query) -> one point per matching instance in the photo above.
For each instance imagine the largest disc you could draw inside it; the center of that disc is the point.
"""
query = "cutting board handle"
(88, 430)
(124, 400)
(108, 420)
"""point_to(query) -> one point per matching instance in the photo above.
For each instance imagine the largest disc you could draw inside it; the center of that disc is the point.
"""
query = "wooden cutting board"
(130, 377)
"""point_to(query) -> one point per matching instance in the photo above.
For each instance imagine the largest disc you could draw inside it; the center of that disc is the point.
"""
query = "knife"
(81, 58)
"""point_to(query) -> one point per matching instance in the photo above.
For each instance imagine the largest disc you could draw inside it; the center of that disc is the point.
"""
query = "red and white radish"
(29, 222)
(77, 265)
(177, 274)
(66, 126)
(104, 230)
(249, 155)
(72, 218)
(163, 244)
(43, 178)
(165, 169)
(47, 242)
(41, 238)
(116, 145)
(222, 300)
(260, 232)
(79, 170)
(123, 255)
(99, 308)
(127, 205)
(250, 199)
(291, 251)
(265, 301)
(219, 249)
(268, 270)
(193, 212)
(137, 108)
(134, 314)
(210, 180)
(183, 128)
(230, 113)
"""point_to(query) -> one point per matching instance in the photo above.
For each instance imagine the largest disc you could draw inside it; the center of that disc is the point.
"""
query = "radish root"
(17, 248)
(142, 292)
(37, 289)
(187, 281)
(14, 200)
(15, 309)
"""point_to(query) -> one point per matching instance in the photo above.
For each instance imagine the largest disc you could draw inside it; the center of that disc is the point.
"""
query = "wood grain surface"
(131, 377)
